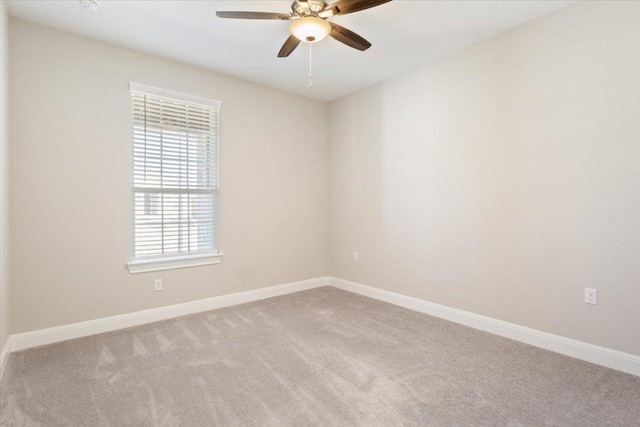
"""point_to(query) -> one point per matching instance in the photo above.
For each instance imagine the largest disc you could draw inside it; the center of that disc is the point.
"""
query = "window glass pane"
(175, 177)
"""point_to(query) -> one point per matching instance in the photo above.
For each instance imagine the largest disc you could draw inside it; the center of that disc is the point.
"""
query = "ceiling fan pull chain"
(310, 68)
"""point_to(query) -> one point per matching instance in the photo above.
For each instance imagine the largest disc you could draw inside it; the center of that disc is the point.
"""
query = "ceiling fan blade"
(348, 37)
(288, 47)
(342, 7)
(253, 15)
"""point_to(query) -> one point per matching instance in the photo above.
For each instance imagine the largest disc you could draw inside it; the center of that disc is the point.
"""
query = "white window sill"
(157, 264)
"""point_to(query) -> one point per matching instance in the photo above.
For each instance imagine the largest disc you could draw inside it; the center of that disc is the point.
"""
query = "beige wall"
(4, 179)
(503, 179)
(71, 178)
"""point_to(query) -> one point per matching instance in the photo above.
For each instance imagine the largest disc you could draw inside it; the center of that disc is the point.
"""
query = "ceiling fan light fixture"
(310, 29)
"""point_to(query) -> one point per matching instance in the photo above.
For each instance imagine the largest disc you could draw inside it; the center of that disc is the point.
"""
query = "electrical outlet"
(355, 257)
(590, 296)
(158, 285)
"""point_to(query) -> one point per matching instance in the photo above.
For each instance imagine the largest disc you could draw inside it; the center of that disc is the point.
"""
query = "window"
(175, 180)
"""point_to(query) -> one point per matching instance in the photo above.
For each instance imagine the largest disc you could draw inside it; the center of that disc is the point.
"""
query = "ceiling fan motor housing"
(305, 8)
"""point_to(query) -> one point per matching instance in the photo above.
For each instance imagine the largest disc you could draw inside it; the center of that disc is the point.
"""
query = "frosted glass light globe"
(310, 29)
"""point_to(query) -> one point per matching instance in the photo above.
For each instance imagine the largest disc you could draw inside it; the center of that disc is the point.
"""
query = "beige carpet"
(322, 357)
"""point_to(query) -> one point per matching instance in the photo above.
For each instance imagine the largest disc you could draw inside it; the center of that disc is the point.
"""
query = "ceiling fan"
(310, 24)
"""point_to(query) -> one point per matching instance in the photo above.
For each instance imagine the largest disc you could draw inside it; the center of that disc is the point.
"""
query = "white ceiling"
(404, 34)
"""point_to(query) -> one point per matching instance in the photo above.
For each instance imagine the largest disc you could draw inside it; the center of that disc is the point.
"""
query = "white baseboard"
(603, 356)
(4, 356)
(91, 327)
(580, 350)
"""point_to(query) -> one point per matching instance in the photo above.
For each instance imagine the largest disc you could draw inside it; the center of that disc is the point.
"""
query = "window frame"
(166, 262)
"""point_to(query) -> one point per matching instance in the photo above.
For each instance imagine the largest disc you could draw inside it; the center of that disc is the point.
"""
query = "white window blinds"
(175, 174)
